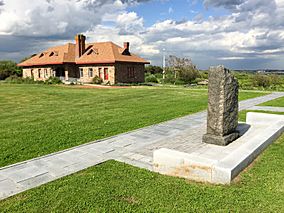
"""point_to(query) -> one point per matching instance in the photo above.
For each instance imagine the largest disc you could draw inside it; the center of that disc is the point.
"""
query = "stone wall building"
(82, 62)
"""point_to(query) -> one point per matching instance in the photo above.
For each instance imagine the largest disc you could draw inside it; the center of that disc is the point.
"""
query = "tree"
(260, 80)
(183, 69)
(276, 79)
(153, 69)
(9, 68)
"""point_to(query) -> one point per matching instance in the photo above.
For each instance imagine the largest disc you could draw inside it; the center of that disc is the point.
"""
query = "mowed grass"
(36, 119)
(117, 187)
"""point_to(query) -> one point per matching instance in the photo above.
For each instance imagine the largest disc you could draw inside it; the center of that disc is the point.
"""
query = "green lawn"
(279, 102)
(114, 186)
(117, 187)
(36, 119)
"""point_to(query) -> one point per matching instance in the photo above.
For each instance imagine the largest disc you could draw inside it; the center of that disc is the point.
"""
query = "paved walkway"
(268, 108)
(135, 148)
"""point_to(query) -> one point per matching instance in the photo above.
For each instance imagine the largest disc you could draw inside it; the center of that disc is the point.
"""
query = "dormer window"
(90, 52)
(93, 51)
(53, 53)
(41, 55)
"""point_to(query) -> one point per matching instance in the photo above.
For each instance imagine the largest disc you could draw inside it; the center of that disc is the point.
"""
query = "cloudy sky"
(241, 34)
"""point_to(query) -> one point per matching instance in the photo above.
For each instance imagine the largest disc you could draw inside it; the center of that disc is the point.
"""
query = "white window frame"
(81, 70)
(91, 72)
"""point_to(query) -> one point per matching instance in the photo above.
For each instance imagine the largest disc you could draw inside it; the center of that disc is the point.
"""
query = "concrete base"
(220, 140)
(207, 166)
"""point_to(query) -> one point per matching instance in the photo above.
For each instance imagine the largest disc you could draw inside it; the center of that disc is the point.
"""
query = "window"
(45, 73)
(81, 73)
(100, 73)
(32, 73)
(106, 73)
(90, 72)
(39, 70)
(130, 71)
(93, 51)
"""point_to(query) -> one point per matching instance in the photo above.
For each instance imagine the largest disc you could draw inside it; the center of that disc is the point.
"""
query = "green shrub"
(151, 78)
(14, 79)
(169, 79)
(203, 74)
(188, 74)
(179, 82)
(53, 80)
(276, 79)
(260, 80)
(97, 80)
(159, 75)
(153, 69)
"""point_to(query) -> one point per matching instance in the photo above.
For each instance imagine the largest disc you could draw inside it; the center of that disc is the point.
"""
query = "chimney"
(126, 46)
(80, 45)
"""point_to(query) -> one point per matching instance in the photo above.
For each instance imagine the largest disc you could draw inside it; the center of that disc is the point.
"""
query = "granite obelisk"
(222, 118)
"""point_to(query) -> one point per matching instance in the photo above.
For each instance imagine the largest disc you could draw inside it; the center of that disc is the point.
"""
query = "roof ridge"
(108, 52)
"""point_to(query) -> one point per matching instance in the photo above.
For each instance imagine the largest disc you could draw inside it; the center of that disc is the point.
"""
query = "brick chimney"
(80, 45)
(126, 48)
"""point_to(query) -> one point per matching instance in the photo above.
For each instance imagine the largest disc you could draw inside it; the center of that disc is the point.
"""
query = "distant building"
(82, 62)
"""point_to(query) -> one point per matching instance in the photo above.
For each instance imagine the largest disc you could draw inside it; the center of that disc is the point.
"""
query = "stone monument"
(222, 118)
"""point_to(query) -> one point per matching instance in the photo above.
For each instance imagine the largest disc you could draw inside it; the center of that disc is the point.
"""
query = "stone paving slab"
(135, 148)
(221, 164)
(268, 108)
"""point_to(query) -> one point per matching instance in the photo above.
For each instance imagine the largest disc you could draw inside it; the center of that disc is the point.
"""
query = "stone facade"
(105, 72)
(42, 73)
(222, 118)
(39, 73)
(129, 73)
(109, 73)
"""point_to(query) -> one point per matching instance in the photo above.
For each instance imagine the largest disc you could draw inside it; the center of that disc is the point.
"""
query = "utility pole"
(164, 63)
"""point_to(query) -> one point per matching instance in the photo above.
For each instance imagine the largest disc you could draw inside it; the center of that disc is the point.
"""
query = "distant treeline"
(187, 73)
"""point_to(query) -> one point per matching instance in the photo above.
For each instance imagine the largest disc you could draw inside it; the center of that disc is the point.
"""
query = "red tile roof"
(95, 53)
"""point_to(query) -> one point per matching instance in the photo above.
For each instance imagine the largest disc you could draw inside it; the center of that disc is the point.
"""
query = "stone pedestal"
(222, 118)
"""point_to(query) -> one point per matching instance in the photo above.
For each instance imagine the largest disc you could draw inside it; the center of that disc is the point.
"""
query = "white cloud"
(129, 23)
(50, 17)
(254, 30)
(231, 58)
